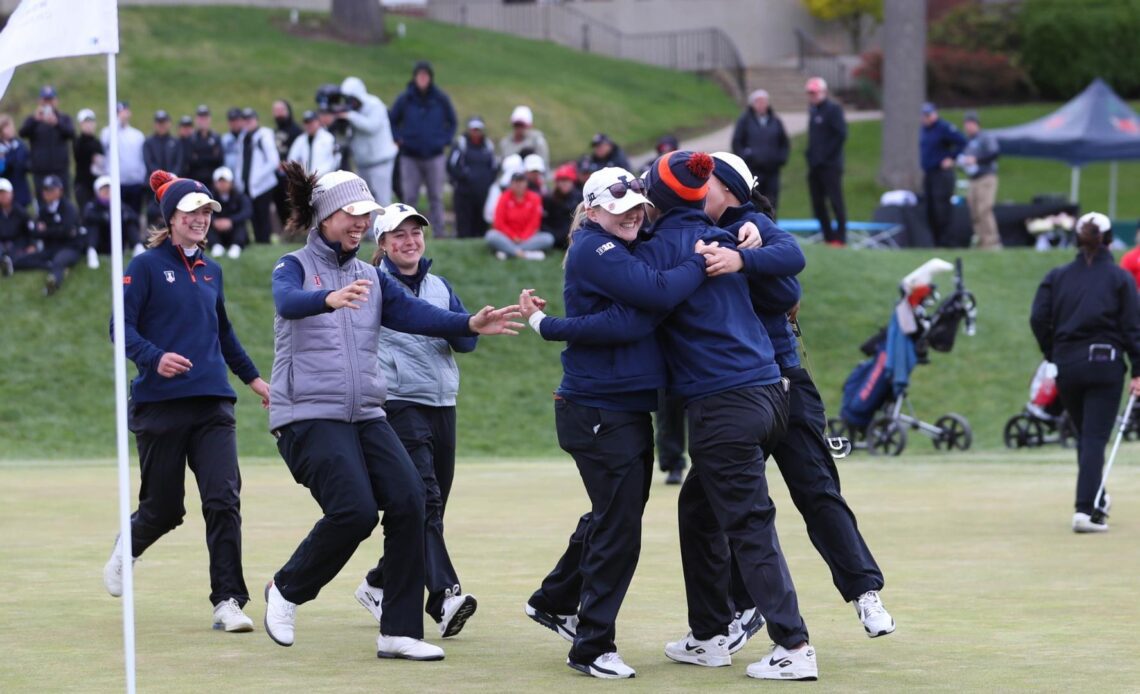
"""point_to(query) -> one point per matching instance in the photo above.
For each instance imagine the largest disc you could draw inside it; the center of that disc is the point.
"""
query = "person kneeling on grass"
(423, 381)
(327, 409)
(518, 215)
(182, 405)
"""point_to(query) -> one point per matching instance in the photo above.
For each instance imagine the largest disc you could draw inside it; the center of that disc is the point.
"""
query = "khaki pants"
(983, 192)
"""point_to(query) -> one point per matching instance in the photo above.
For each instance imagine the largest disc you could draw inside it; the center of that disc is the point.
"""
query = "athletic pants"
(430, 173)
(670, 418)
(261, 220)
(197, 433)
(724, 504)
(379, 179)
(825, 183)
(614, 454)
(469, 222)
(1091, 394)
(354, 470)
(428, 435)
(938, 187)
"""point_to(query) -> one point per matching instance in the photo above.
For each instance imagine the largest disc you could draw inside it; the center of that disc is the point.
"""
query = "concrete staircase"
(785, 86)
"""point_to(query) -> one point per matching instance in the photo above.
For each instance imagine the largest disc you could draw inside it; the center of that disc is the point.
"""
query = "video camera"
(329, 98)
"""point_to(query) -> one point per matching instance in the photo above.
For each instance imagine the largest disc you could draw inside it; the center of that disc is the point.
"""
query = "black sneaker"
(565, 625)
(675, 476)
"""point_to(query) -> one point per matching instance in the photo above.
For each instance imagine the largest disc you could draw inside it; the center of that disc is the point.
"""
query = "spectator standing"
(96, 218)
(471, 166)
(285, 134)
(88, 158)
(132, 165)
(827, 134)
(57, 232)
(205, 153)
(518, 215)
(604, 153)
(231, 141)
(185, 133)
(49, 132)
(315, 148)
(257, 173)
(14, 162)
(524, 138)
(760, 140)
(559, 204)
(229, 227)
(979, 160)
(161, 152)
(423, 124)
(939, 144)
(373, 149)
(14, 238)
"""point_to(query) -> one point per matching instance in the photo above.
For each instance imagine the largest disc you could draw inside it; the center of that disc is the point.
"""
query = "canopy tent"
(1096, 125)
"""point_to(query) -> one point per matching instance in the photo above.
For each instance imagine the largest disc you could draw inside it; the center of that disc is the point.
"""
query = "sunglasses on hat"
(617, 190)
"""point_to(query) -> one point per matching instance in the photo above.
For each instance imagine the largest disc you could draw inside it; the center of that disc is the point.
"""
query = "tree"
(359, 20)
(904, 88)
(851, 15)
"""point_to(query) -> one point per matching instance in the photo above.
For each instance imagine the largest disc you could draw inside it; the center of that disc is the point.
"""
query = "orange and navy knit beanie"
(169, 191)
(679, 179)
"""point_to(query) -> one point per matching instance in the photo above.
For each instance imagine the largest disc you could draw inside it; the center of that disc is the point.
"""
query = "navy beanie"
(740, 189)
(679, 179)
(169, 191)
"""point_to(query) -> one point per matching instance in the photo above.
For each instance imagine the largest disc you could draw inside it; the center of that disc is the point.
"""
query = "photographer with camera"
(373, 149)
(49, 133)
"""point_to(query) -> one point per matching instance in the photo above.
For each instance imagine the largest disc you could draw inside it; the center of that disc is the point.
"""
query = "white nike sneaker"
(607, 666)
(743, 628)
(565, 625)
(1084, 523)
(710, 653)
(876, 620)
(280, 616)
(218, 250)
(113, 569)
(228, 616)
(457, 609)
(234, 252)
(92, 259)
(782, 664)
(371, 598)
(406, 648)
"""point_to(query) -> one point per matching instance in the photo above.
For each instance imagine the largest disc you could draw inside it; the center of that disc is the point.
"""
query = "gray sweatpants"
(379, 180)
(416, 173)
(498, 241)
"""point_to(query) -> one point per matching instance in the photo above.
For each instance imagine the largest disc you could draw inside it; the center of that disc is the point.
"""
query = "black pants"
(614, 454)
(261, 220)
(938, 187)
(469, 221)
(428, 435)
(131, 197)
(197, 433)
(1091, 394)
(238, 235)
(54, 260)
(724, 505)
(354, 471)
(768, 183)
(670, 418)
(825, 184)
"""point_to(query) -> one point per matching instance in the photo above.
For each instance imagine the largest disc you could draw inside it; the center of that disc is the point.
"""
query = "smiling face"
(404, 246)
(345, 229)
(188, 229)
(624, 226)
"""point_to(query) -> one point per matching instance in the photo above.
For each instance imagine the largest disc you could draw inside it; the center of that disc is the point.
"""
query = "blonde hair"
(156, 236)
(577, 219)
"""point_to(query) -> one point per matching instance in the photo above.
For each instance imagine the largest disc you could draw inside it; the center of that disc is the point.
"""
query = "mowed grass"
(990, 589)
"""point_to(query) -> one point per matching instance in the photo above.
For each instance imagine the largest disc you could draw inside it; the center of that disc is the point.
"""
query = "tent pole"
(1112, 175)
(1075, 185)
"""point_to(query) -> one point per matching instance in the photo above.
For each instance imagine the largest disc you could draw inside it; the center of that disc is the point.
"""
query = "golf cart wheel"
(836, 427)
(956, 433)
(885, 436)
(1022, 431)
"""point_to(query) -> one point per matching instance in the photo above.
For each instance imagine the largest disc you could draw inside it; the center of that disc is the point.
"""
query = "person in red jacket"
(1131, 259)
(515, 231)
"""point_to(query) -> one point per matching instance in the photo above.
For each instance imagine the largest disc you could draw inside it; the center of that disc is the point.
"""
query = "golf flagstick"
(1115, 447)
(839, 446)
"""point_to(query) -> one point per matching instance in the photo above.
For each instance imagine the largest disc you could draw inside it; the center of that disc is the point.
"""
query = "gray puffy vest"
(418, 368)
(324, 366)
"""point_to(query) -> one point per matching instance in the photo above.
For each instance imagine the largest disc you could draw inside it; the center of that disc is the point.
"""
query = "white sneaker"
(457, 609)
(710, 653)
(371, 598)
(218, 250)
(1084, 523)
(139, 249)
(534, 255)
(607, 666)
(92, 259)
(565, 625)
(280, 616)
(406, 648)
(113, 569)
(782, 664)
(876, 620)
(228, 616)
(235, 252)
(743, 628)
(501, 255)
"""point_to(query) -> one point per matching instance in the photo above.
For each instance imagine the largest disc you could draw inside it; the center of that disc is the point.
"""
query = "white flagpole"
(121, 378)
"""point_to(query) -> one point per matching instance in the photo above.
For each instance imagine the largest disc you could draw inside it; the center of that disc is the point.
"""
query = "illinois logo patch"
(316, 280)
(169, 275)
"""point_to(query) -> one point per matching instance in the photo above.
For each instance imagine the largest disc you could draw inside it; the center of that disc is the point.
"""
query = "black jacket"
(472, 169)
(827, 131)
(85, 148)
(557, 213)
(97, 222)
(237, 208)
(163, 152)
(14, 230)
(763, 146)
(589, 163)
(1083, 303)
(50, 152)
(204, 154)
(60, 228)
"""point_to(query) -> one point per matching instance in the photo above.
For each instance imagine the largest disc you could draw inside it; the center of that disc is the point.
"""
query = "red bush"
(955, 75)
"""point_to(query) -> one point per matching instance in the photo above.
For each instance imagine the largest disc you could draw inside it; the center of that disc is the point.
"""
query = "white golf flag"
(43, 29)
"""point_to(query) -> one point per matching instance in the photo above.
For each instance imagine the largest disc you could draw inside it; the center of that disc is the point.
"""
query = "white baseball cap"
(1102, 222)
(512, 163)
(394, 215)
(614, 190)
(84, 115)
(522, 114)
(197, 200)
(5, 185)
(534, 162)
(100, 182)
(223, 173)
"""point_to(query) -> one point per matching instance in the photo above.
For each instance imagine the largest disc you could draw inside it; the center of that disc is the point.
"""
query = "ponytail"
(577, 219)
(763, 204)
(299, 186)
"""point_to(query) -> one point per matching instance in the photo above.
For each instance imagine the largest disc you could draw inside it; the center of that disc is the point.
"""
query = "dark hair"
(1090, 239)
(763, 204)
(299, 189)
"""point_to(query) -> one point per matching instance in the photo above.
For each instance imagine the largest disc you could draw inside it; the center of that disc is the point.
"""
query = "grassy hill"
(57, 381)
(177, 57)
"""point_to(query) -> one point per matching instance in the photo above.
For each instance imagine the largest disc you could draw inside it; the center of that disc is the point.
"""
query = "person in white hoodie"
(314, 149)
(256, 172)
(373, 149)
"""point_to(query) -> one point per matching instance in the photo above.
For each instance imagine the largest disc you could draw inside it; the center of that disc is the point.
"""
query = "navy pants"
(1091, 394)
(55, 260)
(938, 187)
(725, 511)
(197, 433)
(354, 470)
(614, 454)
(428, 435)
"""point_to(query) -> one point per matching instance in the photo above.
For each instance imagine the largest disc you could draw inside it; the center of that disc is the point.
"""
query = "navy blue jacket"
(176, 304)
(601, 272)
(423, 123)
(413, 282)
(827, 133)
(938, 141)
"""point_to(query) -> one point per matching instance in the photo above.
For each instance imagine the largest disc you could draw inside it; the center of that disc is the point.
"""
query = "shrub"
(978, 26)
(1067, 43)
(957, 75)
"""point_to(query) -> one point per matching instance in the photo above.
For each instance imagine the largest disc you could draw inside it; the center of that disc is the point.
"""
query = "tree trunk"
(904, 88)
(359, 20)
